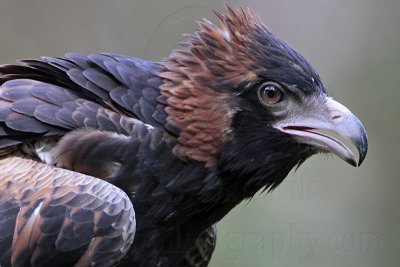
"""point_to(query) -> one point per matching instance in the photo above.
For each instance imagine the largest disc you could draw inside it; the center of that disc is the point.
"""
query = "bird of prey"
(108, 160)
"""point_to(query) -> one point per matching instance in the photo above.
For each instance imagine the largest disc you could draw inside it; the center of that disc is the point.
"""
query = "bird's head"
(239, 94)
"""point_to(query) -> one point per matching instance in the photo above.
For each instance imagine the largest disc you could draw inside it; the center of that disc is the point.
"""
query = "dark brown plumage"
(88, 141)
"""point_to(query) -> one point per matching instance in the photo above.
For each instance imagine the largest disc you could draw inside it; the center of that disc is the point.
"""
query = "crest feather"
(239, 21)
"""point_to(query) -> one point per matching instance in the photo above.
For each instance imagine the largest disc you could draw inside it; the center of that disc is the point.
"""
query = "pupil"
(271, 92)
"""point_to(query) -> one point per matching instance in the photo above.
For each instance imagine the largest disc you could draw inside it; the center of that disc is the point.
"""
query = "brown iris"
(270, 93)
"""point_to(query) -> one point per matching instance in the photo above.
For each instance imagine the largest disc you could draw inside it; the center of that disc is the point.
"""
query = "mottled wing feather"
(51, 96)
(30, 109)
(55, 217)
(119, 81)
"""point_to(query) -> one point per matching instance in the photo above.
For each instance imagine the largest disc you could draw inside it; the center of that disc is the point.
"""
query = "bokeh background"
(325, 214)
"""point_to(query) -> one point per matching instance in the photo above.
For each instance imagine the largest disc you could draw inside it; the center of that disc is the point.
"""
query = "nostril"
(337, 118)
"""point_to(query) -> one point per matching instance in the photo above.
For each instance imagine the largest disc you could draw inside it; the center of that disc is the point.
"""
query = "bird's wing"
(52, 96)
(55, 217)
(100, 115)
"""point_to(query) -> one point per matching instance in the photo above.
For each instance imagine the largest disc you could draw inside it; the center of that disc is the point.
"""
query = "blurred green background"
(325, 214)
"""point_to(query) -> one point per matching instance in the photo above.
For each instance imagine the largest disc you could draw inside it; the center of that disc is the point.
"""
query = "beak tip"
(362, 146)
(362, 155)
(352, 162)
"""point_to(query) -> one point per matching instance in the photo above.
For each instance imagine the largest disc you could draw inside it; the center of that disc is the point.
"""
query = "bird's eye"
(270, 93)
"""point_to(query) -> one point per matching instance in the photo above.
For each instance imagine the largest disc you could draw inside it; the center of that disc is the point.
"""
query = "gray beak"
(325, 131)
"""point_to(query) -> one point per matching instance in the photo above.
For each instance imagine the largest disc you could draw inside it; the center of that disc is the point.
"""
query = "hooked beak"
(321, 131)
